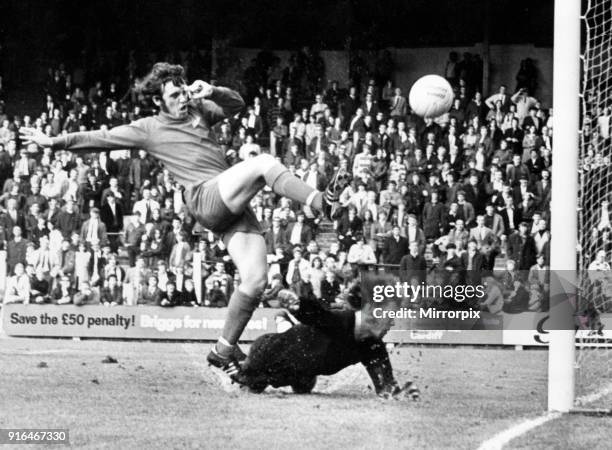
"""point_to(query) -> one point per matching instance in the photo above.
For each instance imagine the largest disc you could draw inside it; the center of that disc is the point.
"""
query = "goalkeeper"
(323, 342)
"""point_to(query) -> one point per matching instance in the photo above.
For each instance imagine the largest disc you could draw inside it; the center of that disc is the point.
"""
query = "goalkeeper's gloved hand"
(396, 392)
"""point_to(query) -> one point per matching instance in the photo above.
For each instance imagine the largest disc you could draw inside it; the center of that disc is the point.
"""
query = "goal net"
(594, 352)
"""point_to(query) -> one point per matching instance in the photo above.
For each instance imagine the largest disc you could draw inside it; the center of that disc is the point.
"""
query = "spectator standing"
(12, 217)
(299, 232)
(94, 230)
(316, 276)
(413, 265)
(145, 206)
(524, 102)
(522, 248)
(414, 234)
(111, 215)
(360, 252)
(398, 105)
(502, 97)
(433, 217)
(330, 288)
(349, 226)
(16, 250)
(141, 169)
(136, 279)
(81, 264)
(298, 270)
(68, 219)
(395, 247)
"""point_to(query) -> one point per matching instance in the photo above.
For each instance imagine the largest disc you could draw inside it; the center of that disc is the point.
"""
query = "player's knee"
(265, 160)
(254, 284)
(260, 285)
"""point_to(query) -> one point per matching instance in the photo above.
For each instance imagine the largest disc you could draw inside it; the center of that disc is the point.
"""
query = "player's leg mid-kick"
(235, 188)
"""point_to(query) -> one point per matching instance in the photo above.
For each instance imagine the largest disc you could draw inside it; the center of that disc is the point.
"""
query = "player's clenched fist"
(200, 89)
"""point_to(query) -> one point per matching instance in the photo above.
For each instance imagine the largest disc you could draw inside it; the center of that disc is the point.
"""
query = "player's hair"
(162, 72)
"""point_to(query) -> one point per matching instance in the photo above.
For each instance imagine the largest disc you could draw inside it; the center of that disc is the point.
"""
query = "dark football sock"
(239, 312)
(315, 200)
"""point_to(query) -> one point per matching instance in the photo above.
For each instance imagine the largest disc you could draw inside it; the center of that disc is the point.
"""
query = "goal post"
(564, 200)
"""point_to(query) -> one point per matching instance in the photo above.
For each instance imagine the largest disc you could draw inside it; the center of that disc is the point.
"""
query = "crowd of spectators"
(454, 193)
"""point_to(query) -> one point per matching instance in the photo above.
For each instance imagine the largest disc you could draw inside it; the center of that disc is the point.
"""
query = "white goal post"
(564, 201)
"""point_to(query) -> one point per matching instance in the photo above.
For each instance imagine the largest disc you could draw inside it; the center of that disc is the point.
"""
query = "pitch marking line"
(498, 441)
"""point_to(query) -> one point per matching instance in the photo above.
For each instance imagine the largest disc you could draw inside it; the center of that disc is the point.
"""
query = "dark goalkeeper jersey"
(184, 146)
(322, 344)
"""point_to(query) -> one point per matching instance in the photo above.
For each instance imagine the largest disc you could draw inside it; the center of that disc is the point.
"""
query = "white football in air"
(431, 96)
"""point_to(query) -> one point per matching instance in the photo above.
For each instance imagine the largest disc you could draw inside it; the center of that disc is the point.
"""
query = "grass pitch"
(162, 395)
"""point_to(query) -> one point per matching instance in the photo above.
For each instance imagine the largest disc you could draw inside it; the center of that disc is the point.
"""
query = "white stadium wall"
(506, 61)
(412, 63)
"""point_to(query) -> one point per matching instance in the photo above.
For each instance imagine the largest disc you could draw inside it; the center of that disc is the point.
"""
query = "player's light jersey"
(184, 146)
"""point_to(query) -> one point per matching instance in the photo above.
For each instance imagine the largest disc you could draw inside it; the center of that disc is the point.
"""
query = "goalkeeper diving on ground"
(322, 342)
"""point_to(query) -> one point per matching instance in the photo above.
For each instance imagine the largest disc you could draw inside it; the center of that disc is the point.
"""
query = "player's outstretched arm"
(35, 136)
(217, 102)
(118, 138)
(375, 358)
